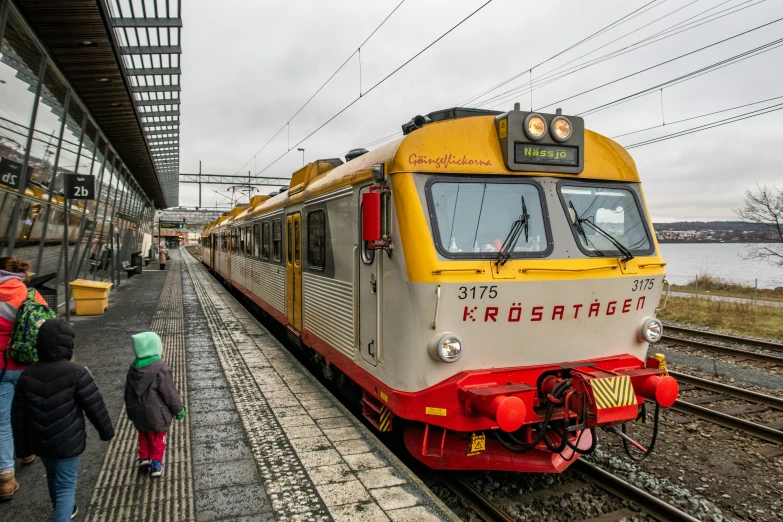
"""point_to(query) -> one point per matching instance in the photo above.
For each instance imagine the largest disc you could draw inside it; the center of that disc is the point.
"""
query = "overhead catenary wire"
(675, 122)
(305, 104)
(673, 30)
(689, 76)
(656, 88)
(595, 34)
(376, 85)
(616, 23)
(670, 60)
(699, 128)
(556, 75)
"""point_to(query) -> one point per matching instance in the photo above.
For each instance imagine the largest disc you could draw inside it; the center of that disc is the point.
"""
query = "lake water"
(684, 261)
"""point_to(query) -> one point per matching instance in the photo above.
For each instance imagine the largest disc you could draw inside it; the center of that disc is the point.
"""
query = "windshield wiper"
(578, 223)
(619, 246)
(513, 235)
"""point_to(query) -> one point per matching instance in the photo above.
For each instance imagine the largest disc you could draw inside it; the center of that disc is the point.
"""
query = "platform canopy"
(122, 58)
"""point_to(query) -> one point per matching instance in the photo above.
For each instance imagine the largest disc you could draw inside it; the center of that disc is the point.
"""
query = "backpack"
(29, 318)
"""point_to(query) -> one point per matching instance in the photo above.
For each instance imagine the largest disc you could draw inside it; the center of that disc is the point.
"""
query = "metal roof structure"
(122, 59)
(148, 35)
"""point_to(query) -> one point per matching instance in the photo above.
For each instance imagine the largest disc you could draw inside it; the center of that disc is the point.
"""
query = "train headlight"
(560, 128)
(535, 127)
(652, 330)
(449, 348)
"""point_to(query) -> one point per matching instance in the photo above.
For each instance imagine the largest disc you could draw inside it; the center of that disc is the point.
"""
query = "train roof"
(454, 141)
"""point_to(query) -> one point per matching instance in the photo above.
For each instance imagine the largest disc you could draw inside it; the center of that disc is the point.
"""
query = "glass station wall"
(46, 133)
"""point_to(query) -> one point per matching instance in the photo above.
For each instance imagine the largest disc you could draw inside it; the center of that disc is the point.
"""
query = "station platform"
(263, 440)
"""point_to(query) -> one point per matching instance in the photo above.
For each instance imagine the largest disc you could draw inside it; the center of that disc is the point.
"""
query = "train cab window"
(316, 240)
(256, 241)
(602, 218)
(277, 240)
(472, 219)
(265, 240)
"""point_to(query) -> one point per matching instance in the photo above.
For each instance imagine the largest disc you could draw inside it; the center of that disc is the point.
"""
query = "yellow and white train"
(488, 282)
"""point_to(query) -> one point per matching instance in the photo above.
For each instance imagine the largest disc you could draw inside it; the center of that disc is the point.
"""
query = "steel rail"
(724, 349)
(740, 393)
(481, 504)
(727, 421)
(767, 345)
(654, 506)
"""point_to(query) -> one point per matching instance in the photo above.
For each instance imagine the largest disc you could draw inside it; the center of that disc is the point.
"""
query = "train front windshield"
(601, 216)
(472, 218)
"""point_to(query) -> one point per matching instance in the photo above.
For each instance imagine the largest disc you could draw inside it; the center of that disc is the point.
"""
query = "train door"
(293, 270)
(368, 296)
(212, 248)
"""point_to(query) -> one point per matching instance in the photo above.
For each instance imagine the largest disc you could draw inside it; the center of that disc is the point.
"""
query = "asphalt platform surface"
(103, 344)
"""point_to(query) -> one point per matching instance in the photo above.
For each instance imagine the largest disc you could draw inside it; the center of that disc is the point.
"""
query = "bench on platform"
(130, 270)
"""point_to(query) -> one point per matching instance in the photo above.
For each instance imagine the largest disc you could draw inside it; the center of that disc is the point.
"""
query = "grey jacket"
(151, 400)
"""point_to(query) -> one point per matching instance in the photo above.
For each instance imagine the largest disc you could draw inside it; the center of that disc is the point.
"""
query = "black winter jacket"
(151, 399)
(52, 397)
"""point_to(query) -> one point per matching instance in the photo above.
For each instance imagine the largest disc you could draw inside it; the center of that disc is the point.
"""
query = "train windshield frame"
(471, 217)
(596, 209)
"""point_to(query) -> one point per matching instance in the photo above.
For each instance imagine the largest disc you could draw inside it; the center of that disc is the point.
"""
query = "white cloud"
(248, 66)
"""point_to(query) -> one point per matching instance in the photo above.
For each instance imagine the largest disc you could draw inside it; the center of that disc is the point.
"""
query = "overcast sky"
(249, 66)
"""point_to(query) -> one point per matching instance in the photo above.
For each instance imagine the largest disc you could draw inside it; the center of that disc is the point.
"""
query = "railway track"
(703, 407)
(659, 509)
(749, 353)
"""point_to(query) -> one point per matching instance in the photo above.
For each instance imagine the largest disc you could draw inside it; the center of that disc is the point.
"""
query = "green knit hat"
(147, 347)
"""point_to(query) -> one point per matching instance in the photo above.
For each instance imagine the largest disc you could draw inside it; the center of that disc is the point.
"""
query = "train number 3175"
(478, 292)
(642, 284)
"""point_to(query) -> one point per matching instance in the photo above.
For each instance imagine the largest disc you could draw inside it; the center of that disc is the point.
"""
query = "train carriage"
(489, 282)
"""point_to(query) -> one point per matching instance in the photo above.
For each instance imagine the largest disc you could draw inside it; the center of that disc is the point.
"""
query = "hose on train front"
(518, 446)
(650, 448)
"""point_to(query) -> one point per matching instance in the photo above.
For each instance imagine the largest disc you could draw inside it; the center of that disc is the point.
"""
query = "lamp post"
(302, 155)
(159, 214)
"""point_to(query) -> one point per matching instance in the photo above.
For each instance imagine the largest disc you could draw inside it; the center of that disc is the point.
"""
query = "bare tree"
(764, 206)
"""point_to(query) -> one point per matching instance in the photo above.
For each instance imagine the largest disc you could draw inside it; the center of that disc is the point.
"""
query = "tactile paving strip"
(121, 492)
(298, 434)
(291, 492)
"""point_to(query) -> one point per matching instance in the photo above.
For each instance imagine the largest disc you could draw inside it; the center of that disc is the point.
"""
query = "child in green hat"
(151, 400)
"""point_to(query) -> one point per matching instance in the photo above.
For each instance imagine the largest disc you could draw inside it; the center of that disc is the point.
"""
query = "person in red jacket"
(13, 291)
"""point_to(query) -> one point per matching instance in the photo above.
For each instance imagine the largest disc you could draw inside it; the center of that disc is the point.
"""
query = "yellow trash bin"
(91, 297)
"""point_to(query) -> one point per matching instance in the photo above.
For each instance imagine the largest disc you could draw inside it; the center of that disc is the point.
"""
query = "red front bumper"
(587, 394)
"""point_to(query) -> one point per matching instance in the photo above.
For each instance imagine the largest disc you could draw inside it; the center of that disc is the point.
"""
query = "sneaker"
(75, 511)
(144, 465)
(156, 469)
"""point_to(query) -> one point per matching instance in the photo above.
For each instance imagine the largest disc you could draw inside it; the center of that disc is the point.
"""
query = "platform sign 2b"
(10, 173)
(80, 186)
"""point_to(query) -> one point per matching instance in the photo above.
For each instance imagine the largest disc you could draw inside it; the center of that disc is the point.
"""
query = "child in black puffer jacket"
(48, 410)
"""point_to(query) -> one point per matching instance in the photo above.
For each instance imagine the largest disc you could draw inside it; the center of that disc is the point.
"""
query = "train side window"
(265, 240)
(316, 240)
(290, 240)
(277, 240)
(249, 241)
(256, 242)
(242, 240)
